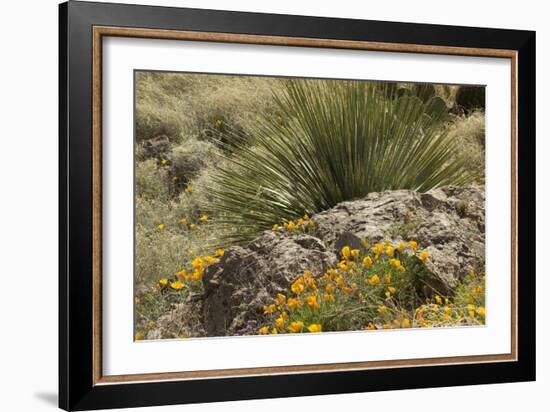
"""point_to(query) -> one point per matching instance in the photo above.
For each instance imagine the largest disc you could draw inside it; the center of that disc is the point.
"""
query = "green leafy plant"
(334, 141)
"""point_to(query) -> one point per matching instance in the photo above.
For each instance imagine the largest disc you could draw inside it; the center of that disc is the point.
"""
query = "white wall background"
(28, 202)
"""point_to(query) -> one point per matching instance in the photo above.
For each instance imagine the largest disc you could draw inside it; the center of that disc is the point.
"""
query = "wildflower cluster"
(366, 287)
(187, 223)
(170, 290)
(301, 224)
(187, 276)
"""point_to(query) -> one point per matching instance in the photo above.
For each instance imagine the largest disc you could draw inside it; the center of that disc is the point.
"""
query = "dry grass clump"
(469, 131)
(181, 105)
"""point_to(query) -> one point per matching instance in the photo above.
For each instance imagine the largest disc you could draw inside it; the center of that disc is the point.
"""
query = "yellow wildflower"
(296, 327)
(481, 311)
(382, 309)
(197, 262)
(203, 218)
(192, 226)
(298, 286)
(391, 289)
(424, 256)
(163, 282)
(387, 278)
(197, 274)
(374, 280)
(389, 251)
(447, 310)
(182, 274)
(183, 221)
(292, 303)
(177, 285)
(371, 326)
(367, 262)
(219, 252)
(162, 226)
(413, 245)
(314, 328)
(346, 252)
(355, 253)
(478, 290)
(340, 281)
(137, 301)
(291, 226)
(387, 294)
(312, 301)
(275, 227)
(347, 290)
(269, 309)
(138, 336)
(218, 123)
(264, 330)
(280, 322)
(400, 246)
(405, 323)
(329, 298)
(164, 162)
(150, 324)
(438, 299)
(329, 288)
(210, 259)
(343, 266)
(280, 299)
(378, 249)
(274, 331)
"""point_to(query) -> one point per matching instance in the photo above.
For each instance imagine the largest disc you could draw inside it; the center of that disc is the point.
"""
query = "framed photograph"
(257, 205)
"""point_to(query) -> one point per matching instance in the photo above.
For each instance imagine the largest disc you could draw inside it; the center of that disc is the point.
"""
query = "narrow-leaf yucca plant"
(335, 140)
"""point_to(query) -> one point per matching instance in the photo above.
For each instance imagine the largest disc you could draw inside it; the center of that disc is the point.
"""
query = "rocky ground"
(449, 223)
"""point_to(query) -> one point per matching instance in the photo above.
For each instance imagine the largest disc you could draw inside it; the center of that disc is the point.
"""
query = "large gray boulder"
(448, 222)
(246, 279)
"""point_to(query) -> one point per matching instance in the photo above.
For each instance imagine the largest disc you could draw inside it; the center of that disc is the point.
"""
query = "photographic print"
(271, 205)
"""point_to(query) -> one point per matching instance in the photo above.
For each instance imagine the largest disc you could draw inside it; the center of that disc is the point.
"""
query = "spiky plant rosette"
(333, 141)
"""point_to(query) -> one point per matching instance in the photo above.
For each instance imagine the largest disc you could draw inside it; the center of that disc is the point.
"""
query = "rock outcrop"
(448, 222)
(246, 279)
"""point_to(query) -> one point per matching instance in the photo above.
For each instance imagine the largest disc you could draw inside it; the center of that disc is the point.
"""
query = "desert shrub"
(371, 288)
(189, 158)
(151, 181)
(338, 140)
(469, 133)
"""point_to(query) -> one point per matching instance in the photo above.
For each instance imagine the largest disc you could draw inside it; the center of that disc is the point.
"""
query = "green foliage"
(336, 141)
